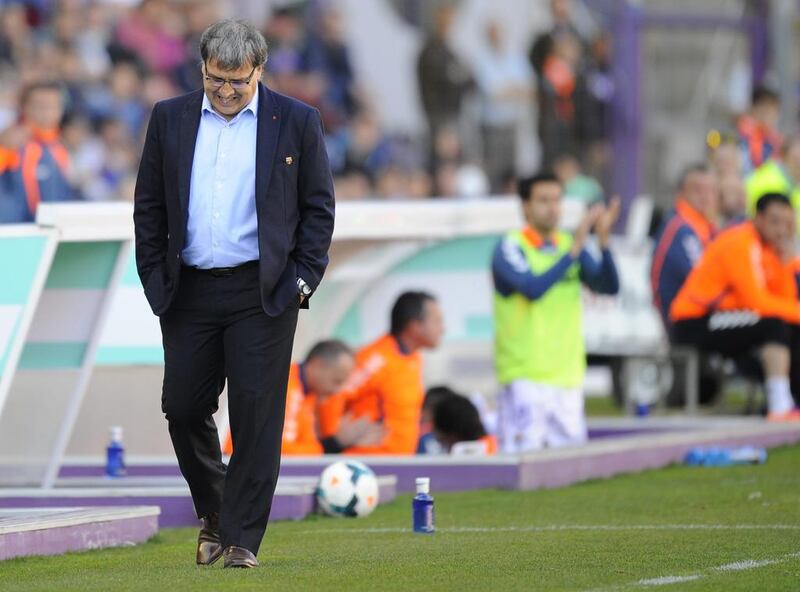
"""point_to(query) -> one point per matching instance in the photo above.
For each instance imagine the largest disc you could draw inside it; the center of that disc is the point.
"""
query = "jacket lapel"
(190, 122)
(268, 130)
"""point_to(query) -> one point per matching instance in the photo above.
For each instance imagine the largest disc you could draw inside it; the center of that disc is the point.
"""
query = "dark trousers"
(216, 330)
(738, 333)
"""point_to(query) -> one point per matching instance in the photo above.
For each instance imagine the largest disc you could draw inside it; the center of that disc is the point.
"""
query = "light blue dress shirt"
(222, 226)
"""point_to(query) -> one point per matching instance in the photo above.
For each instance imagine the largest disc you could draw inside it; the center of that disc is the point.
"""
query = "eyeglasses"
(216, 82)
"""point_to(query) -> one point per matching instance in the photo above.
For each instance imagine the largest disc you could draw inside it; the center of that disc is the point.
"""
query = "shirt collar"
(535, 239)
(703, 228)
(252, 106)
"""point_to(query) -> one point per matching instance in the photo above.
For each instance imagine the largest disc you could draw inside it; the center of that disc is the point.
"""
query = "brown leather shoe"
(209, 547)
(239, 557)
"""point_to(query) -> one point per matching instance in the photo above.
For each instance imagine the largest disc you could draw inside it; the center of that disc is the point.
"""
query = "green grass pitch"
(679, 528)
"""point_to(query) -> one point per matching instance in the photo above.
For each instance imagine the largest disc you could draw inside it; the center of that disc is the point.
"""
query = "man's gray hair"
(233, 44)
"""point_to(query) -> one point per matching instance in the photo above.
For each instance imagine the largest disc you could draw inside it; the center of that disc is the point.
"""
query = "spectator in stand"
(595, 98)
(154, 31)
(34, 164)
(732, 200)
(576, 184)
(365, 145)
(443, 80)
(741, 297)
(327, 56)
(759, 137)
(352, 184)
(458, 428)
(387, 383)
(505, 82)
(684, 235)
(777, 175)
(557, 98)
(561, 14)
(87, 154)
(120, 97)
(725, 158)
(16, 40)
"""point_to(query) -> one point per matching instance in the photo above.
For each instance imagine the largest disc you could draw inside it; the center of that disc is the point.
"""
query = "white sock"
(779, 395)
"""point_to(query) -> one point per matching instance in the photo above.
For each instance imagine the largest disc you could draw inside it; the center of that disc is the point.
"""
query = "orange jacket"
(299, 435)
(386, 386)
(739, 272)
(491, 444)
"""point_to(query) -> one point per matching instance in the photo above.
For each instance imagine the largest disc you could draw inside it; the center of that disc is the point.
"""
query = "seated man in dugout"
(742, 296)
(458, 427)
(386, 385)
(323, 373)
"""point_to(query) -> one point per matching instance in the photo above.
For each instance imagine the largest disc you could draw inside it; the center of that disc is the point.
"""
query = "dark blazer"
(294, 198)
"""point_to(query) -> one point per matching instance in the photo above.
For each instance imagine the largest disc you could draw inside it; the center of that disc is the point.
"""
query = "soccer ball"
(347, 488)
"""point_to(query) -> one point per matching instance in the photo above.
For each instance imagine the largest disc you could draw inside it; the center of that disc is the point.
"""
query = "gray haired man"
(233, 213)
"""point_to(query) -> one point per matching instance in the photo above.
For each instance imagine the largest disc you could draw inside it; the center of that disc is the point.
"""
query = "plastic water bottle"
(422, 507)
(725, 457)
(115, 454)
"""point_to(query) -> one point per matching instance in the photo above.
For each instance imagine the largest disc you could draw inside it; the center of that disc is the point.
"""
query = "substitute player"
(742, 297)
(323, 373)
(386, 385)
(539, 350)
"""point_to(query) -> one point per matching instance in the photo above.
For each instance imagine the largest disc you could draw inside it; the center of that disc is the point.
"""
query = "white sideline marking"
(565, 528)
(745, 565)
(667, 580)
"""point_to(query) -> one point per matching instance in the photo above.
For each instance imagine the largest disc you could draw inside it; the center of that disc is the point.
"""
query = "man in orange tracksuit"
(387, 384)
(34, 164)
(324, 372)
(742, 296)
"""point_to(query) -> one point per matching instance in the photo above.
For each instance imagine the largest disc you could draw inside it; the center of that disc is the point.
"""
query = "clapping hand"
(605, 222)
(589, 220)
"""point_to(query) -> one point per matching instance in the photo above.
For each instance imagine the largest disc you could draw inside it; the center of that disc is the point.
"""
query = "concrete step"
(294, 496)
(52, 531)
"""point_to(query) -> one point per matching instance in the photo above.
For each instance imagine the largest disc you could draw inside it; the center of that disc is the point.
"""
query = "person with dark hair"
(539, 350)
(457, 421)
(759, 137)
(34, 164)
(505, 81)
(780, 174)
(577, 184)
(428, 444)
(443, 80)
(233, 217)
(741, 297)
(684, 234)
(322, 374)
(386, 385)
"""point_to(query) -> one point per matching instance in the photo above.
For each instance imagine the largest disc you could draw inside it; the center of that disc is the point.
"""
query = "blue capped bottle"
(422, 507)
(115, 454)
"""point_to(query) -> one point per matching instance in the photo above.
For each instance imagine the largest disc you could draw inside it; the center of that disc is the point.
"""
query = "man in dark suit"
(234, 213)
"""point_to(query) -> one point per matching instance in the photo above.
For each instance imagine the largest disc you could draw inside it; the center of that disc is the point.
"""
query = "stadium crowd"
(79, 80)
